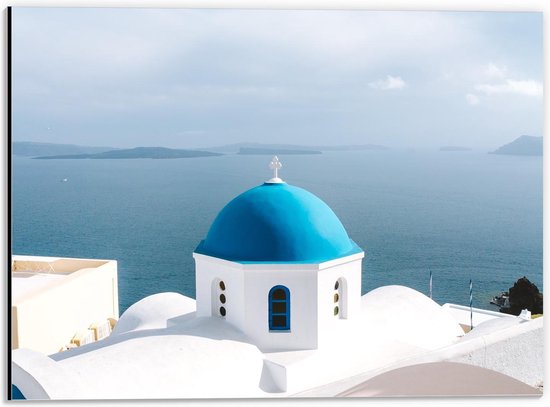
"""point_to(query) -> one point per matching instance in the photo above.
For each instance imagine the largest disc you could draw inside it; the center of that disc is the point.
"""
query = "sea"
(460, 216)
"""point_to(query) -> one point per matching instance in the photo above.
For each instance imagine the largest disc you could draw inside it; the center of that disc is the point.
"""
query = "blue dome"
(277, 223)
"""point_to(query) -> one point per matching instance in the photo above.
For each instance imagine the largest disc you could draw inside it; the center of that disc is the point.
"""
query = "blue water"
(461, 215)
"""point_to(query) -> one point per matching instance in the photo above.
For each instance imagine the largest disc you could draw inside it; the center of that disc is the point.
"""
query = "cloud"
(134, 75)
(498, 82)
(472, 99)
(390, 83)
(526, 88)
(493, 71)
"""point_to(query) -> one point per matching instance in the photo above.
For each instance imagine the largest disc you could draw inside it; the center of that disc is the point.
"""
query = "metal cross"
(275, 165)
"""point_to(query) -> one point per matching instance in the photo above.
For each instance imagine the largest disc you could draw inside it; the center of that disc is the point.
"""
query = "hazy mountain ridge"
(275, 151)
(523, 145)
(73, 151)
(138, 152)
(35, 149)
(236, 147)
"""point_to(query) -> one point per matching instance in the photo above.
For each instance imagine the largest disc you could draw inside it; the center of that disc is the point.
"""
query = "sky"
(199, 78)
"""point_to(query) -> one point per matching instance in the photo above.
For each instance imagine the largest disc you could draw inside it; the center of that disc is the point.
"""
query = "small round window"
(222, 298)
(222, 311)
(222, 285)
(336, 297)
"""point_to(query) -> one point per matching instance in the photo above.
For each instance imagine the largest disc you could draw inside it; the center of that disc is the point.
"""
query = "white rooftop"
(461, 314)
(160, 349)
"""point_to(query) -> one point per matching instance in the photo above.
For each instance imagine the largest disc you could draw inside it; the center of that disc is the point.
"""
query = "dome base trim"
(353, 252)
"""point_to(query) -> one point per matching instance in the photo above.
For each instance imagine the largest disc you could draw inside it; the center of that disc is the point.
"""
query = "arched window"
(279, 308)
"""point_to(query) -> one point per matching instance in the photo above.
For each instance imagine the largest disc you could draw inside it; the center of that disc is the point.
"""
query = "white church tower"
(278, 265)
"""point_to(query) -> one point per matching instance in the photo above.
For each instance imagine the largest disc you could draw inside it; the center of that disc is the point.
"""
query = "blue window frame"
(279, 308)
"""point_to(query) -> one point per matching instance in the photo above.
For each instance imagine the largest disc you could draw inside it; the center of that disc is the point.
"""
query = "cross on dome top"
(275, 165)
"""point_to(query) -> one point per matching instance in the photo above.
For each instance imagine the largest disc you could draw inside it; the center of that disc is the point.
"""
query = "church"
(278, 265)
(278, 313)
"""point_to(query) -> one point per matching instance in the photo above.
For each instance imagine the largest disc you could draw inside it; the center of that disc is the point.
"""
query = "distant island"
(523, 145)
(34, 149)
(454, 148)
(53, 151)
(236, 147)
(274, 151)
(138, 152)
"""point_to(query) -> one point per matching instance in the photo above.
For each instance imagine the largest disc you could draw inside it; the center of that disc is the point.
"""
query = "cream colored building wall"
(47, 319)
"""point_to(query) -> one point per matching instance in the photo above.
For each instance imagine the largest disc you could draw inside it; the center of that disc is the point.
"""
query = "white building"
(59, 302)
(278, 313)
